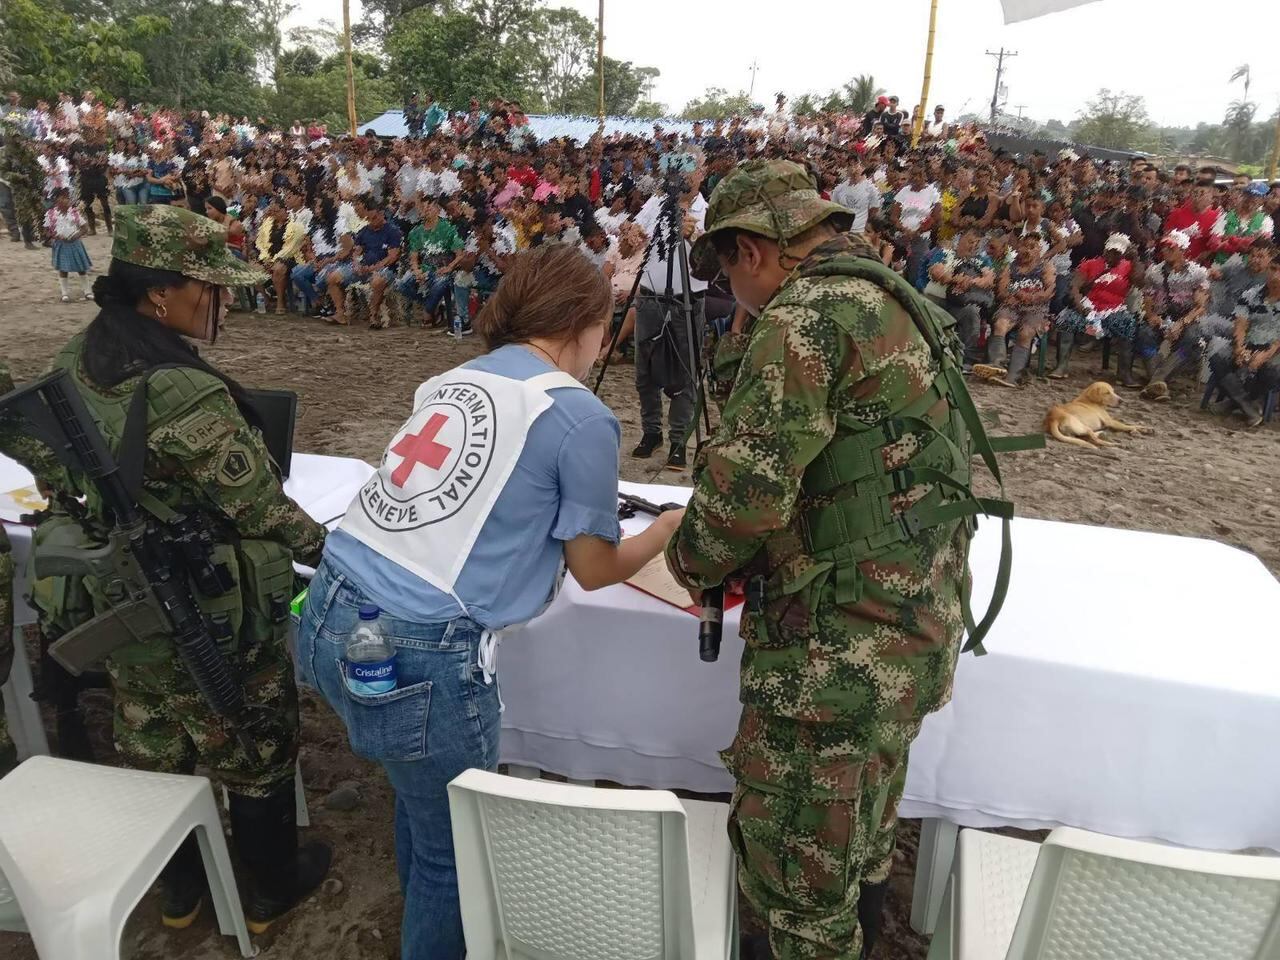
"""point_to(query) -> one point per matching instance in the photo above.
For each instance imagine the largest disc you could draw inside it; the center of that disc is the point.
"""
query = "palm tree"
(1239, 118)
(860, 93)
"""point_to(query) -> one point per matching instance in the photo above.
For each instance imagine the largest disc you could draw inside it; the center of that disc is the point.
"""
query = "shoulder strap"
(553, 380)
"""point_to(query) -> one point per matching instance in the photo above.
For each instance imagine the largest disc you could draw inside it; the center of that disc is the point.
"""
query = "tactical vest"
(846, 507)
(256, 609)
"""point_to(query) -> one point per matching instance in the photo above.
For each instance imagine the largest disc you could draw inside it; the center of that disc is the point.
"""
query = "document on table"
(656, 580)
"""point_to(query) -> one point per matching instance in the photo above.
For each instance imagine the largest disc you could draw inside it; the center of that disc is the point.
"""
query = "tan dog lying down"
(1080, 421)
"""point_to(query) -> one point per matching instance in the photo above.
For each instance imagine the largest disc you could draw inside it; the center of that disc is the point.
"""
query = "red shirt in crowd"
(1198, 225)
(524, 175)
(1110, 284)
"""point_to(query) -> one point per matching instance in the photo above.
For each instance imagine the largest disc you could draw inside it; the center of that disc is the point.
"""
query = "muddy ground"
(1197, 475)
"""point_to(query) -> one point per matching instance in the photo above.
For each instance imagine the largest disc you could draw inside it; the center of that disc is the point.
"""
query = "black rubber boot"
(1066, 341)
(1233, 388)
(1019, 357)
(182, 886)
(281, 874)
(1124, 364)
(871, 899)
(677, 459)
(648, 443)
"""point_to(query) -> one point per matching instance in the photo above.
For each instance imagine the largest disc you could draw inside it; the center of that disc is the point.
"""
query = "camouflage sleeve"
(725, 361)
(17, 443)
(228, 461)
(776, 421)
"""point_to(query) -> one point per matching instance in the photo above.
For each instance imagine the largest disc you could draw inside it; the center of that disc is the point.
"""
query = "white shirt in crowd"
(917, 204)
(320, 242)
(57, 174)
(610, 223)
(442, 183)
(604, 256)
(859, 197)
(936, 128)
(655, 273)
(303, 217)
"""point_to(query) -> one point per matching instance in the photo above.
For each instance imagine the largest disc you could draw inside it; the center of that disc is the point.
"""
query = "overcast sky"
(1166, 50)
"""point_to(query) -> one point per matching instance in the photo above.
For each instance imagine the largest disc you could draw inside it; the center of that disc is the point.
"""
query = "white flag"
(1015, 10)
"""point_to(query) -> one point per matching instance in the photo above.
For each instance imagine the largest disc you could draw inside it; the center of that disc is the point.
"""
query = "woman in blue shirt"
(506, 472)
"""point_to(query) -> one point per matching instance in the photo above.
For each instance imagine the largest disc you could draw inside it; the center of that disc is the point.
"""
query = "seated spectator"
(434, 252)
(377, 248)
(325, 246)
(963, 282)
(1247, 366)
(1097, 303)
(1177, 297)
(1025, 288)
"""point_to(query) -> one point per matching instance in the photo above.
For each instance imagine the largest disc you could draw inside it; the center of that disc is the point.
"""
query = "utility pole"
(600, 62)
(1020, 107)
(1000, 59)
(754, 67)
(351, 75)
(917, 128)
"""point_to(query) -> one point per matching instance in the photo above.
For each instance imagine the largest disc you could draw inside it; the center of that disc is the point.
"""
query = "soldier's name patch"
(436, 462)
(202, 429)
(237, 465)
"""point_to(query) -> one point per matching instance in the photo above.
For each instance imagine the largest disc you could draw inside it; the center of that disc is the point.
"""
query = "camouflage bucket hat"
(774, 198)
(170, 238)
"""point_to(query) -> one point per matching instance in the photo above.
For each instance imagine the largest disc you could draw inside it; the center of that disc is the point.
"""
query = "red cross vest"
(445, 468)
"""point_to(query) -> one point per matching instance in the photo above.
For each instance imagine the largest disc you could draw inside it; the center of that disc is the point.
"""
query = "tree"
(565, 44)
(453, 55)
(623, 83)
(715, 104)
(650, 110)
(1239, 118)
(805, 105)
(861, 92)
(1116, 121)
(322, 95)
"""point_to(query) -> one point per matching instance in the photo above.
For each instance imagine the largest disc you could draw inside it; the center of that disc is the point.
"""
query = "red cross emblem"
(420, 448)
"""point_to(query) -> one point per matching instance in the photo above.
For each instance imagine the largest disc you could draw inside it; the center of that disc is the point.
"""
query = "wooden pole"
(1275, 154)
(600, 61)
(351, 73)
(918, 127)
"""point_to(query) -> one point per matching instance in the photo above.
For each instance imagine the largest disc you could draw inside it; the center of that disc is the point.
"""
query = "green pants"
(162, 723)
(814, 816)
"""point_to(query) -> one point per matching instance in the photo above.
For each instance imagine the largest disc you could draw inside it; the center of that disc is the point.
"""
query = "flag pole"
(600, 61)
(917, 128)
(351, 73)
(1275, 153)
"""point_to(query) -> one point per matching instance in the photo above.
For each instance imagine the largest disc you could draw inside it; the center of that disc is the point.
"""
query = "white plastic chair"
(81, 844)
(1086, 896)
(560, 872)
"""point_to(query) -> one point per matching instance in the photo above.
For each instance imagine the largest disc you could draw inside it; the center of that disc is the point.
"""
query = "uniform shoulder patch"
(200, 429)
(238, 465)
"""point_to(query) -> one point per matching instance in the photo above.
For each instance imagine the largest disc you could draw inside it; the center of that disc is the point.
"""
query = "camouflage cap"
(169, 238)
(778, 199)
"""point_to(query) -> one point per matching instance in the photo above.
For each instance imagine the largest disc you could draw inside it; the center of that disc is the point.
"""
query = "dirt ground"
(1197, 475)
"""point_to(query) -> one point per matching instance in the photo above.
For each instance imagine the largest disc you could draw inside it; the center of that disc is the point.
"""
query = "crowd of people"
(1025, 251)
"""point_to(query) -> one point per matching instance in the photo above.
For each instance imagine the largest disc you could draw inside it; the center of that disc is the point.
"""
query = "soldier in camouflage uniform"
(20, 171)
(202, 459)
(837, 485)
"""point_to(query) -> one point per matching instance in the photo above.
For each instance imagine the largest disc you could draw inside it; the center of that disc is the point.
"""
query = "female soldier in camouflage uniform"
(203, 460)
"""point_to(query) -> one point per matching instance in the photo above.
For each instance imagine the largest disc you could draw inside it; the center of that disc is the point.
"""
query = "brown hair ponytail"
(551, 291)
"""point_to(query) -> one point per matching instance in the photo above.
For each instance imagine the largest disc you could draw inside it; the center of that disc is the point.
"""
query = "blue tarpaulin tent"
(546, 127)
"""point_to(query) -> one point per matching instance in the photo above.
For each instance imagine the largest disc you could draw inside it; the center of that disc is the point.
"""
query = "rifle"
(711, 621)
(143, 568)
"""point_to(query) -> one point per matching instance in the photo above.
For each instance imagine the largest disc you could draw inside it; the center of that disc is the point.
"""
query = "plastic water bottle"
(262, 302)
(371, 657)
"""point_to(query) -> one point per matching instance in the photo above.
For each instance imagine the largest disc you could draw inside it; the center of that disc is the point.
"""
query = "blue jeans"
(441, 719)
(303, 277)
(132, 194)
(429, 292)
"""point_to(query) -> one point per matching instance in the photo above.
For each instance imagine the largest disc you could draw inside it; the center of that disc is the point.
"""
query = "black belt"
(675, 297)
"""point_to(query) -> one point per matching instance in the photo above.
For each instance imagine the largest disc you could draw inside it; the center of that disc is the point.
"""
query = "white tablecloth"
(1132, 685)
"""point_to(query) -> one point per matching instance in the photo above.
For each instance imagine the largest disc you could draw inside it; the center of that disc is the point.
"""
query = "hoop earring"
(161, 311)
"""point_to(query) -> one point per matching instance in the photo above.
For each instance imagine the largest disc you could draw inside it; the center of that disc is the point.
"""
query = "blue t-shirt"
(374, 244)
(158, 169)
(565, 484)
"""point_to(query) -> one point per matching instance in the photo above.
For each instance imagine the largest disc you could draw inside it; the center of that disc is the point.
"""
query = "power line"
(1000, 59)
